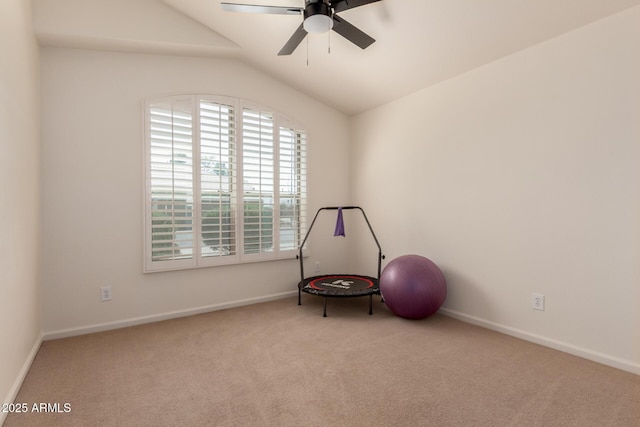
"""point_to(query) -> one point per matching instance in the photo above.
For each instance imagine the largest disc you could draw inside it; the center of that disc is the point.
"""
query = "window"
(225, 183)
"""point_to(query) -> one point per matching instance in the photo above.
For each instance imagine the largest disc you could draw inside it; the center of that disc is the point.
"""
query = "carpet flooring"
(280, 364)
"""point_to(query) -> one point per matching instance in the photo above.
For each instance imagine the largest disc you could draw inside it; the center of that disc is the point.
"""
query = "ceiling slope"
(418, 42)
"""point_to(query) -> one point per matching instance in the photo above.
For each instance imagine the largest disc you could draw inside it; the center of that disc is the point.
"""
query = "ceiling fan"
(319, 17)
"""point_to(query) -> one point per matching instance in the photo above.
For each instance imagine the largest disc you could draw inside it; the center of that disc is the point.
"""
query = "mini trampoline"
(340, 285)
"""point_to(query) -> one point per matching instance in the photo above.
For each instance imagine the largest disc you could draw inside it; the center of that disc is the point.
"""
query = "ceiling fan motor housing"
(317, 17)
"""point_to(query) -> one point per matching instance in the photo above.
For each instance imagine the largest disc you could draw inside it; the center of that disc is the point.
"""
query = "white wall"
(19, 195)
(518, 177)
(92, 186)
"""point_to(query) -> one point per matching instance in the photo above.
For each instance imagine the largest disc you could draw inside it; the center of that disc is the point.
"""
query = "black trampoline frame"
(338, 292)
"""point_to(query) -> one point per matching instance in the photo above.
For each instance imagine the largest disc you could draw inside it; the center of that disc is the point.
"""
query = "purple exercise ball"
(413, 287)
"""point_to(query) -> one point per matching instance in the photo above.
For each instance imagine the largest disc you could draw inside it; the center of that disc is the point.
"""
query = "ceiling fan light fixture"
(318, 24)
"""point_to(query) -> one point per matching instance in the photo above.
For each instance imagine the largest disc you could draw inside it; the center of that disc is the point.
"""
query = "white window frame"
(239, 188)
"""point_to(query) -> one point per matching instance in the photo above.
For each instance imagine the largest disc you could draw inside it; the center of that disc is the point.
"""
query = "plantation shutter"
(293, 187)
(217, 179)
(258, 173)
(170, 169)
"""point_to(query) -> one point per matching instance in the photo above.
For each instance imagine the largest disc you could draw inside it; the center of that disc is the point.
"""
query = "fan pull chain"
(307, 50)
(329, 42)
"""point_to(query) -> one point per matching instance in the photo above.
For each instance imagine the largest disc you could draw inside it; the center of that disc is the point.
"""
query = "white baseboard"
(584, 353)
(13, 391)
(82, 330)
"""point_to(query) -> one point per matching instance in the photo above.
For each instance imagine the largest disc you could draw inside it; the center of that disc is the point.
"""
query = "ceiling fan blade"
(342, 5)
(298, 35)
(251, 8)
(351, 33)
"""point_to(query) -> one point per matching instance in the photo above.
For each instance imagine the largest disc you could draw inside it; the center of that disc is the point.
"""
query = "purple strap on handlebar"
(339, 225)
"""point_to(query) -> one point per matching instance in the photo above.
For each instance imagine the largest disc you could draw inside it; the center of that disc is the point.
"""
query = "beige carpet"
(278, 364)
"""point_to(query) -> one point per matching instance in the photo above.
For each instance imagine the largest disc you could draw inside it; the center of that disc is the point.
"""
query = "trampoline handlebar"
(333, 208)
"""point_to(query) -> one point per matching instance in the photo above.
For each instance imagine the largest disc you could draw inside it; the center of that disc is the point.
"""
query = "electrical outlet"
(537, 302)
(317, 267)
(105, 293)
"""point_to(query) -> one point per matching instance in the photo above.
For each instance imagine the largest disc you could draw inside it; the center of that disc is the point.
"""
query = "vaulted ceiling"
(418, 42)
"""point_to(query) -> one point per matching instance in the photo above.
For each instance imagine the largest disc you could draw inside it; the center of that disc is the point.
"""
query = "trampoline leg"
(325, 307)
(370, 305)
(299, 300)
